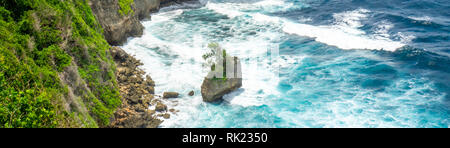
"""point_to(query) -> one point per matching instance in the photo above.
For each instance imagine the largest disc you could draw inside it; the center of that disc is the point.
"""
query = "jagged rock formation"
(214, 87)
(118, 27)
(145, 7)
(171, 2)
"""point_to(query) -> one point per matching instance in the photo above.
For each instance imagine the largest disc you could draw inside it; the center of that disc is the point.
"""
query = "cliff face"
(136, 92)
(58, 70)
(117, 27)
(143, 8)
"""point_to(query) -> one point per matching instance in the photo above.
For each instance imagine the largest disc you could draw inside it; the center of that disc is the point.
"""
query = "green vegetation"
(39, 41)
(125, 7)
(212, 58)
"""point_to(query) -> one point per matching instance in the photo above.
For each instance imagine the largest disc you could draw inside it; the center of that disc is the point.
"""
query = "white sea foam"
(238, 9)
(350, 21)
(176, 65)
(304, 20)
(164, 16)
(382, 29)
(173, 59)
(231, 10)
(421, 18)
(265, 18)
(345, 33)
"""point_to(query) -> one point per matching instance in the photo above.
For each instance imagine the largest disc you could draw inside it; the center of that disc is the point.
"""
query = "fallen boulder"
(170, 95)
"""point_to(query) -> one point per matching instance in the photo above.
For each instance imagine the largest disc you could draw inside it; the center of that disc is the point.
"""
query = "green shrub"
(212, 57)
(54, 57)
(125, 7)
(35, 47)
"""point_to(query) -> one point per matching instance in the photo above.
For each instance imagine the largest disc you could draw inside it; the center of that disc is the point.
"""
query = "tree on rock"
(225, 75)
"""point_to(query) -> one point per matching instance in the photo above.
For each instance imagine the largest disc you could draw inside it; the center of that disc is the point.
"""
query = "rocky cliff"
(143, 8)
(216, 85)
(117, 27)
(137, 92)
(58, 70)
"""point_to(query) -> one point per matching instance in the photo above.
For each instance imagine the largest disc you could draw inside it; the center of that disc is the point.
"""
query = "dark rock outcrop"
(170, 2)
(145, 7)
(170, 95)
(213, 89)
(191, 93)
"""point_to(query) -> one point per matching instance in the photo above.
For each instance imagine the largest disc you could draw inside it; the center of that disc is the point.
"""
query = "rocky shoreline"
(136, 91)
(140, 107)
(136, 88)
(138, 94)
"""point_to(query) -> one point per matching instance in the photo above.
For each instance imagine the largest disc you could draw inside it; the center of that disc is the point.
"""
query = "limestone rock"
(116, 27)
(145, 7)
(213, 89)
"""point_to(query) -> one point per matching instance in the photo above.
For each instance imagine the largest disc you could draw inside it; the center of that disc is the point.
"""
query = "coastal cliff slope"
(56, 66)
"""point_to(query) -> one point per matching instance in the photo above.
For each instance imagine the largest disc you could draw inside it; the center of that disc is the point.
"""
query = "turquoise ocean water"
(339, 63)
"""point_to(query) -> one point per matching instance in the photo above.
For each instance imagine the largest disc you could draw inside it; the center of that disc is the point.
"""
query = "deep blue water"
(341, 63)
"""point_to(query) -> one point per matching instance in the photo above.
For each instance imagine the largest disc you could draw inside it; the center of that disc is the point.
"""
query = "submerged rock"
(214, 87)
(191, 93)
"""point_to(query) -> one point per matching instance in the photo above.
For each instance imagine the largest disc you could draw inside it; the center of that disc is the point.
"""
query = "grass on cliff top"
(39, 40)
(125, 7)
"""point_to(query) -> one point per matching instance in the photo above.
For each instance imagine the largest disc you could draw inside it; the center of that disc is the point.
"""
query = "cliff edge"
(57, 67)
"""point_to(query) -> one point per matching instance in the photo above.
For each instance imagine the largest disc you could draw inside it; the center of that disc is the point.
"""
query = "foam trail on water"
(341, 39)
(165, 16)
(345, 33)
(229, 10)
